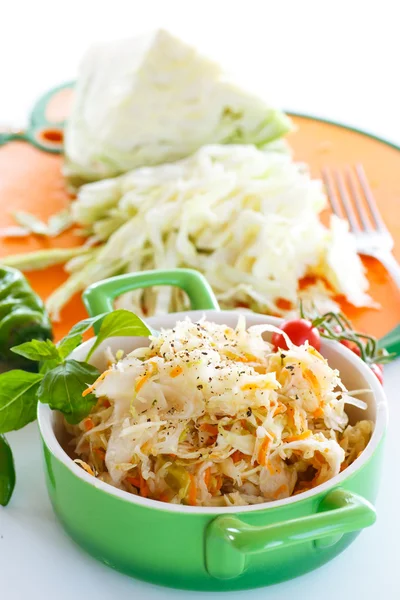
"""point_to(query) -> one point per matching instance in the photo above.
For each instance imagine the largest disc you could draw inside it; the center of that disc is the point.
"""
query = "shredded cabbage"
(247, 219)
(209, 415)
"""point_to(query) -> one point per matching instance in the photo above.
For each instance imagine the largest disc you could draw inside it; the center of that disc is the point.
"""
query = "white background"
(333, 59)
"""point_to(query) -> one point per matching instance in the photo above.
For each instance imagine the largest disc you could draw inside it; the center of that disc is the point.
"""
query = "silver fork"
(350, 197)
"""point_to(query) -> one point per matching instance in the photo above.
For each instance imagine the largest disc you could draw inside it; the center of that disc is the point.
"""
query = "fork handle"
(391, 265)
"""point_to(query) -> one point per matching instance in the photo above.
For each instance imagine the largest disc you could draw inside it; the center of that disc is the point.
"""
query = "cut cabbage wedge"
(155, 99)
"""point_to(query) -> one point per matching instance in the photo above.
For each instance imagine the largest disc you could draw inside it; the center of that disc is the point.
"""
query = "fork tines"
(350, 197)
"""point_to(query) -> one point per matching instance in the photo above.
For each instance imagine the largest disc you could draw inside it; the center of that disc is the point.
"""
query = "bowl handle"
(99, 297)
(229, 540)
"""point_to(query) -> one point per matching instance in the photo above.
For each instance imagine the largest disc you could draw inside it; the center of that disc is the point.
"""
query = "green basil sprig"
(60, 381)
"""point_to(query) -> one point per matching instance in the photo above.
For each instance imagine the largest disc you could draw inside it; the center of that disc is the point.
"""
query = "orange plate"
(31, 180)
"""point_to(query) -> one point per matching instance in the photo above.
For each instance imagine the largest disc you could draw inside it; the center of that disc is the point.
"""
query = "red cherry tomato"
(298, 331)
(377, 369)
(351, 346)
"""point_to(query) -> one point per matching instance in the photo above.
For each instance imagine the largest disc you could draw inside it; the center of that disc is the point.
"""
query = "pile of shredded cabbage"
(247, 219)
(208, 415)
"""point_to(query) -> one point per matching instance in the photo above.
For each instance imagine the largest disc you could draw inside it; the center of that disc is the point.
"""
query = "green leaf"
(74, 337)
(48, 365)
(119, 323)
(7, 472)
(83, 326)
(37, 350)
(62, 388)
(18, 399)
(68, 344)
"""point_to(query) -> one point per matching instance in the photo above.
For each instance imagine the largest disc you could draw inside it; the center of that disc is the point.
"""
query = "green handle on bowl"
(99, 297)
(229, 540)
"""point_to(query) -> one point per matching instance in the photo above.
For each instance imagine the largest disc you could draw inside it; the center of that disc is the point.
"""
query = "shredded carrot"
(237, 455)
(90, 389)
(88, 424)
(239, 358)
(270, 467)
(176, 371)
(207, 476)
(296, 438)
(211, 429)
(192, 491)
(144, 488)
(264, 385)
(219, 484)
(274, 470)
(281, 408)
(100, 452)
(313, 381)
(290, 415)
(261, 457)
(318, 460)
(250, 386)
(231, 355)
(318, 413)
(279, 491)
(216, 484)
(146, 447)
(140, 381)
(251, 357)
(133, 481)
(164, 497)
(243, 422)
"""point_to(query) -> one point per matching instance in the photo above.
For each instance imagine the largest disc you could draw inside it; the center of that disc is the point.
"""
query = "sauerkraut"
(209, 415)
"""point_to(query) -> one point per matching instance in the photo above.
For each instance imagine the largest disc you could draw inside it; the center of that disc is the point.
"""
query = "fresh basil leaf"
(119, 323)
(37, 350)
(74, 337)
(18, 399)
(62, 388)
(83, 326)
(68, 344)
(48, 365)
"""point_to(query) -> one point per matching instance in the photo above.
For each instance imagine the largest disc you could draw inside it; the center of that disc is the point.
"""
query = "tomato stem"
(335, 326)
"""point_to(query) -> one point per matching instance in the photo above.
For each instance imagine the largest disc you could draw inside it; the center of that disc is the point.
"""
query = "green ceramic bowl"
(213, 548)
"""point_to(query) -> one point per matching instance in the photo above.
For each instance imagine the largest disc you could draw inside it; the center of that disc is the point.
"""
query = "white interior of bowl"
(354, 373)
